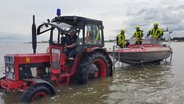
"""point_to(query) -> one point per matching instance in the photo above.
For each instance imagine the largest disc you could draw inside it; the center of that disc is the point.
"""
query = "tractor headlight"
(9, 67)
(10, 71)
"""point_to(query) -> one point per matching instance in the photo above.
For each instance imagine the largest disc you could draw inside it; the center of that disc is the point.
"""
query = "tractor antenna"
(34, 35)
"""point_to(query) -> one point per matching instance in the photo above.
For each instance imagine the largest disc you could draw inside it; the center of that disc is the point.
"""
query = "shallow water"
(148, 84)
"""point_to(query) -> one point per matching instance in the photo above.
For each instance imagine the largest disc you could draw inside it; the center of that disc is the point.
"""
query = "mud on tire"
(93, 65)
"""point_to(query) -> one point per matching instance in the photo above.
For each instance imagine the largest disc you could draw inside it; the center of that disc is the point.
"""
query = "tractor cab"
(89, 36)
(89, 31)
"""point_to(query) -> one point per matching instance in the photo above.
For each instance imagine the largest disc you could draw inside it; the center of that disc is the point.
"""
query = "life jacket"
(138, 35)
(157, 33)
(120, 40)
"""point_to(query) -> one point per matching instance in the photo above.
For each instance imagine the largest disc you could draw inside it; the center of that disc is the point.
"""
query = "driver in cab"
(70, 46)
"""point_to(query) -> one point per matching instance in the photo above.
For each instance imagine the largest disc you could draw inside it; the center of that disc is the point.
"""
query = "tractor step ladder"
(66, 79)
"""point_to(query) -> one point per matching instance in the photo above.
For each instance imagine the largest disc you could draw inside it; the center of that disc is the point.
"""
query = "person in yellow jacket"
(156, 32)
(138, 34)
(120, 39)
(97, 35)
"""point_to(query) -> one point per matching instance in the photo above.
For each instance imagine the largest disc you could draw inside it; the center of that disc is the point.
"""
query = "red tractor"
(34, 73)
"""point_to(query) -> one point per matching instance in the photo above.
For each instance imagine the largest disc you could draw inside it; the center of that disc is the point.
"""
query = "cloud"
(167, 15)
(16, 15)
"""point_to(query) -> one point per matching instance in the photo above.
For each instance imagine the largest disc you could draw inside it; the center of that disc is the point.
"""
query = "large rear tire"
(35, 92)
(93, 65)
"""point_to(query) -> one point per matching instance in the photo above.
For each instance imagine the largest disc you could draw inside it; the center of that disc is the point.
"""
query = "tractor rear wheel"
(35, 92)
(93, 65)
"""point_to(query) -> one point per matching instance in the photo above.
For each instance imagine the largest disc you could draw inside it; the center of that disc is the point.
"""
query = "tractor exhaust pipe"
(34, 43)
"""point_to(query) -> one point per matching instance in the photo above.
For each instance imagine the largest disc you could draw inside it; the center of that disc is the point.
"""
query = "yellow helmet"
(123, 30)
(155, 24)
(137, 27)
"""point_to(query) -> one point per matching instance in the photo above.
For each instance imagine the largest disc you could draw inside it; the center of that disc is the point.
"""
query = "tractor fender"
(44, 83)
(102, 50)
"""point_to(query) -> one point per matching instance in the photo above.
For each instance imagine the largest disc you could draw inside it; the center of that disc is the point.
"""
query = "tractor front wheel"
(35, 92)
(93, 65)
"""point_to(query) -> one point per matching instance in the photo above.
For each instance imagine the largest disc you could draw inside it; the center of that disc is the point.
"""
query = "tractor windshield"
(56, 31)
(62, 27)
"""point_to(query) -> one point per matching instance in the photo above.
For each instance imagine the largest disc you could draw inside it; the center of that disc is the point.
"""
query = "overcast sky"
(16, 15)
